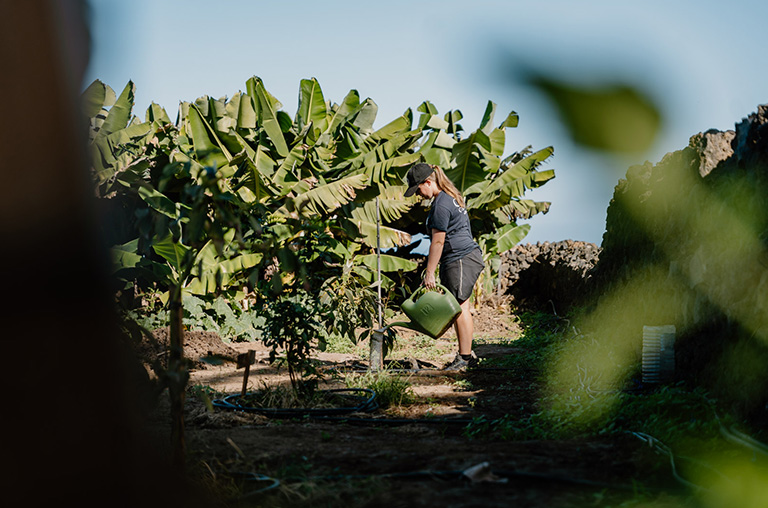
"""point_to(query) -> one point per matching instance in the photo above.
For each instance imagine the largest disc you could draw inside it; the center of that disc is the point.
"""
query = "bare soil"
(415, 455)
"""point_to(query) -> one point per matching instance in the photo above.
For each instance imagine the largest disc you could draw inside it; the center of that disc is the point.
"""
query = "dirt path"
(417, 455)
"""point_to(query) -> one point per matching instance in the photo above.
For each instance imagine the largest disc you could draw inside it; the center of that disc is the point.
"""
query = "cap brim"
(411, 190)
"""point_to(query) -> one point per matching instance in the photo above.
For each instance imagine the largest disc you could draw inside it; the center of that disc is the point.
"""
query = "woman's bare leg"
(465, 328)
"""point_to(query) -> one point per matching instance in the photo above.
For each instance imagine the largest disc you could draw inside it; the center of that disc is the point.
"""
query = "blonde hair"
(445, 184)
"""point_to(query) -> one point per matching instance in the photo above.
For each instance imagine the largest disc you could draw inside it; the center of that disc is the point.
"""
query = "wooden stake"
(246, 360)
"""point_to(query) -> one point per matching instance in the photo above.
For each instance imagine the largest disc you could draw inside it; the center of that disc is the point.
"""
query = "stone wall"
(549, 276)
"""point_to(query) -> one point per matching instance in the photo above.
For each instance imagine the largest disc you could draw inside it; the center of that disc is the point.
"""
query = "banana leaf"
(397, 126)
(119, 113)
(510, 235)
(265, 107)
(468, 170)
(392, 205)
(344, 111)
(156, 115)
(312, 108)
(388, 263)
(125, 255)
(158, 201)
(172, 252)
(514, 181)
(209, 150)
(366, 116)
(389, 238)
(326, 198)
(97, 96)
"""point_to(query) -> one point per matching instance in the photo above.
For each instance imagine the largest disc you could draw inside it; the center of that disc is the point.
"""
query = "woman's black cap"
(418, 174)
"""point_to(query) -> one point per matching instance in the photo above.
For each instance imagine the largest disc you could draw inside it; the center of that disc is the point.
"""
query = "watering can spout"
(400, 324)
(406, 324)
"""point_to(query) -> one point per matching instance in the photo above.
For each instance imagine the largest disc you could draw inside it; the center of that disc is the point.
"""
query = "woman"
(452, 247)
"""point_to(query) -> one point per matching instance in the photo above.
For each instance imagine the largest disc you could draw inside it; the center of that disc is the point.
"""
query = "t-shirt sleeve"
(440, 218)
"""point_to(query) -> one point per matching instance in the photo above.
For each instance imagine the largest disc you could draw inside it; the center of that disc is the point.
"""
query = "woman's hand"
(437, 240)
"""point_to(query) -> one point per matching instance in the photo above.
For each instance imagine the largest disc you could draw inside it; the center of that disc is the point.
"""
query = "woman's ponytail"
(446, 184)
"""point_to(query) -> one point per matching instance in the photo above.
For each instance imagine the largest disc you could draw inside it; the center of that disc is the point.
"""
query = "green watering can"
(432, 313)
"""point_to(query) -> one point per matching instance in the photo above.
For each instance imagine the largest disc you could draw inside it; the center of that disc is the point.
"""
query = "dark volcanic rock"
(692, 230)
(548, 276)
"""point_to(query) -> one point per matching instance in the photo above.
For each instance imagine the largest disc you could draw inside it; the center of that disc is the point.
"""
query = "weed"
(462, 385)
(422, 347)
(391, 389)
(503, 428)
(284, 397)
(537, 344)
(302, 486)
(336, 343)
(205, 394)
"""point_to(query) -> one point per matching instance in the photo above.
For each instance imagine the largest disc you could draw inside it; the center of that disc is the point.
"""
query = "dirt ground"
(418, 455)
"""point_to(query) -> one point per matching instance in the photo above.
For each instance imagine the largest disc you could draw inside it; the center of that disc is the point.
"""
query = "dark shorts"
(459, 276)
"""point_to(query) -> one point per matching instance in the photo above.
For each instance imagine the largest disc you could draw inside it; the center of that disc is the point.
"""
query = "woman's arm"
(435, 251)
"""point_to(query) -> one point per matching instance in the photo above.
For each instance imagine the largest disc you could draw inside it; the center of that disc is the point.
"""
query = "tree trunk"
(177, 379)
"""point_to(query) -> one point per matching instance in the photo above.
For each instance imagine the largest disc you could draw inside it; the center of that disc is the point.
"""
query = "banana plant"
(493, 187)
(327, 163)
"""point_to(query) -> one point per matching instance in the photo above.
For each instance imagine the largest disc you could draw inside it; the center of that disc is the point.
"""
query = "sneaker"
(460, 364)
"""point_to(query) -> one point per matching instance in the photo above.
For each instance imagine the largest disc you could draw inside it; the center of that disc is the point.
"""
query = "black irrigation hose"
(234, 403)
(392, 421)
(332, 414)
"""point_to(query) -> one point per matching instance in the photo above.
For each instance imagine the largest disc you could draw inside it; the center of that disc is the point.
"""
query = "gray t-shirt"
(446, 215)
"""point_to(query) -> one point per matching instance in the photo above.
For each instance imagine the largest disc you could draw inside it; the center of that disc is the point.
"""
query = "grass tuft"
(391, 389)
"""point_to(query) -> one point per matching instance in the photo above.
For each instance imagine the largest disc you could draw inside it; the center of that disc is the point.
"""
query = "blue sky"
(703, 62)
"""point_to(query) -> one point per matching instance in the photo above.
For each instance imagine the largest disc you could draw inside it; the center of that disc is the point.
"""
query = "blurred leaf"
(612, 118)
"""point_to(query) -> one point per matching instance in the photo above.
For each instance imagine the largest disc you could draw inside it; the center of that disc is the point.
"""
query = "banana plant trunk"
(177, 379)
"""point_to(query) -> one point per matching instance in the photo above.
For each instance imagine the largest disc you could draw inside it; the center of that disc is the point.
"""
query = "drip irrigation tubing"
(336, 414)
(325, 415)
(744, 440)
(501, 476)
(367, 403)
(732, 435)
(426, 371)
(393, 421)
(255, 477)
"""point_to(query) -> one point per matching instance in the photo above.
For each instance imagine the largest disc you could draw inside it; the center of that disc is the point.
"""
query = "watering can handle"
(421, 289)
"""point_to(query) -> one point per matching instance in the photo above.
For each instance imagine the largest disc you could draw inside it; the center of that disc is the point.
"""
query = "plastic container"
(658, 354)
